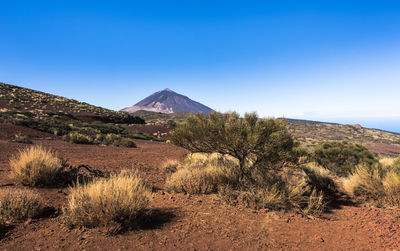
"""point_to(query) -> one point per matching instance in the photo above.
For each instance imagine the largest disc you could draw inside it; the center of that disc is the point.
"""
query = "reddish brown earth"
(183, 222)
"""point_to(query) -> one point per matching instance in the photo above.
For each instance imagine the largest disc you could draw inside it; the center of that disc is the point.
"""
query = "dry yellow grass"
(35, 166)
(387, 162)
(18, 205)
(170, 166)
(114, 203)
(202, 173)
(300, 188)
(380, 186)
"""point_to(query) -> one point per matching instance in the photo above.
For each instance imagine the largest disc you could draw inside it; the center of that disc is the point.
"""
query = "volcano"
(168, 101)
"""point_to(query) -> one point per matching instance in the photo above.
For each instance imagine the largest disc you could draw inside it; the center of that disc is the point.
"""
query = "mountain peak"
(168, 101)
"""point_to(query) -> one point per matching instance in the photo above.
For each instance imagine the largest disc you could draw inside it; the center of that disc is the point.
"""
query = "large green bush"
(265, 143)
(342, 157)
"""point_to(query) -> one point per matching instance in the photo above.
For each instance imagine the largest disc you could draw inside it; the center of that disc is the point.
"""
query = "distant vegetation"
(78, 122)
(74, 130)
(161, 118)
(342, 157)
(22, 99)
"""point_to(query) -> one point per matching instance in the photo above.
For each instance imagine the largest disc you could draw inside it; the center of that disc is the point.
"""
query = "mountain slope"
(167, 101)
(19, 99)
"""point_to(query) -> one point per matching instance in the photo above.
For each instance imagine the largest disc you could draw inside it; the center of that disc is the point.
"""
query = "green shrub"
(78, 138)
(126, 143)
(265, 141)
(342, 157)
(18, 205)
(111, 139)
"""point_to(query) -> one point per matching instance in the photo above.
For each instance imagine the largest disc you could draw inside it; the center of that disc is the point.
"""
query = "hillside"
(77, 122)
(18, 99)
(168, 101)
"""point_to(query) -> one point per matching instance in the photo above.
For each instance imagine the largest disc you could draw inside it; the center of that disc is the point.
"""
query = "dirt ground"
(183, 222)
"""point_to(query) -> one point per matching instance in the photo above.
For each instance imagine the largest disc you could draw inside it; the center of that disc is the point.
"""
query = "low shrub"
(342, 157)
(19, 205)
(114, 204)
(111, 139)
(125, 142)
(377, 185)
(202, 173)
(302, 189)
(281, 195)
(36, 166)
(19, 138)
(192, 181)
(78, 138)
(170, 167)
(98, 138)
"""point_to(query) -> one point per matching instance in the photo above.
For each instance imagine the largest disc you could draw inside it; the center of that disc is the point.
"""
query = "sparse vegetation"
(114, 204)
(18, 205)
(342, 157)
(36, 166)
(99, 138)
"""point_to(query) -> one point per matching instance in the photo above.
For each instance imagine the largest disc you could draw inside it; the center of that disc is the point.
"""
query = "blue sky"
(323, 60)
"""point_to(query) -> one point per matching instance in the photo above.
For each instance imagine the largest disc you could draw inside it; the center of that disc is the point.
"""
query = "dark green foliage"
(106, 128)
(104, 139)
(47, 125)
(126, 143)
(78, 138)
(342, 157)
(171, 124)
(264, 142)
(75, 131)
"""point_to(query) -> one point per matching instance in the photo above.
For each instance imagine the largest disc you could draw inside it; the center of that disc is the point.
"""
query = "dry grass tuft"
(387, 162)
(170, 167)
(301, 189)
(202, 173)
(378, 185)
(36, 166)
(114, 204)
(18, 205)
(192, 181)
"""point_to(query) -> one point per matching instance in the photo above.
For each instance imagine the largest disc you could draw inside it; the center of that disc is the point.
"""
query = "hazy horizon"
(334, 61)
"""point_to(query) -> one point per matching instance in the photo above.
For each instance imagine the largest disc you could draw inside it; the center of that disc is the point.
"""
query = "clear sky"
(322, 60)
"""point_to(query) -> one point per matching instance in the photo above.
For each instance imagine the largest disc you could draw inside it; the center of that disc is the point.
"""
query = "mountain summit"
(168, 101)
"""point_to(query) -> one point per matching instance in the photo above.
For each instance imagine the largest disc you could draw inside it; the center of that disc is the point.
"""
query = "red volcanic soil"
(183, 222)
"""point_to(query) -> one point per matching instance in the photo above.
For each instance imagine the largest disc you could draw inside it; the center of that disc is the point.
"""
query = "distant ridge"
(168, 101)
